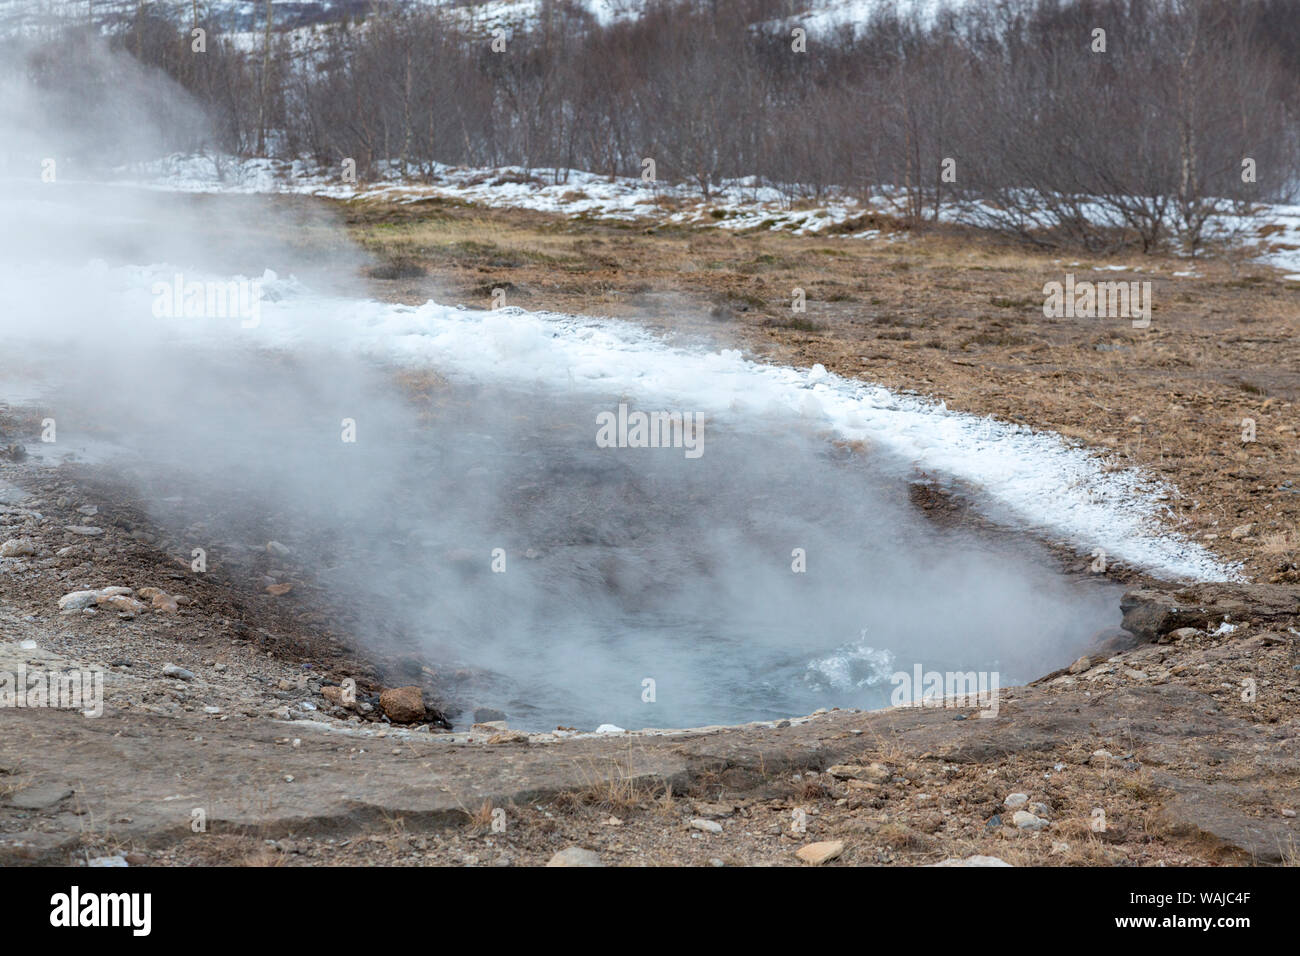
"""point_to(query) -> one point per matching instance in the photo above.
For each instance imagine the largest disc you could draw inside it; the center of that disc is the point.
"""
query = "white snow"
(1032, 479)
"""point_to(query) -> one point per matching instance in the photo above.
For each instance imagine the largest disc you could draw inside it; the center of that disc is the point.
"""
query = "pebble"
(1027, 821)
(708, 826)
(819, 853)
(180, 673)
(575, 856)
(977, 860)
(1015, 800)
(17, 548)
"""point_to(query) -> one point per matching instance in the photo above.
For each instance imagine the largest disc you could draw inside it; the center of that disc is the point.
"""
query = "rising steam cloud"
(620, 564)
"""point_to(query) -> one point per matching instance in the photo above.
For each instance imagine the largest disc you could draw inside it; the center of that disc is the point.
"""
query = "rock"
(509, 737)
(40, 797)
(1023, 820)
(86, 530)
(278, 590)
(402, 705)
(490, 727)
(610, 729)
(1081, 665)
(1041, 809)
(120, 602)
(575, 856)
(88, 510)
(819, 853)
(334, 694)
(874, 773)
(100, 861)
(17, 548)
(164, 603)
(275, 547)
(976, 860)
(78, 600)
(1241, 531)
(180, 673)
(1152, 612)
(708, 826)
(1179, 634)
(486, 715)
(1015, 800)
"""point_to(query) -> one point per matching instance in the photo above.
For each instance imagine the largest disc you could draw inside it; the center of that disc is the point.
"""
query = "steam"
(482, 524)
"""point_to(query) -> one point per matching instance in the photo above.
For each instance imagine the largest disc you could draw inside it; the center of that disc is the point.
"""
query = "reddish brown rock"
(402, 705)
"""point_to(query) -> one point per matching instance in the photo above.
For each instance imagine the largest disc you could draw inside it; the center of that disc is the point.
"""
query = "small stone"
(180, 673)
(1242, 531)
(86, 530)
(977, 860)
(164, 603)
(1015, 800)
(1024, 820)
(575, 856)
(120, 602)
(708, 826)
(40, 797)
(402, 705)
(1081, 665)
(17, 548)
(819, 853)
(275, 547)
(874, 773)
(1041, 809)
(1288, 813)
(1179, 634)
(78, 600)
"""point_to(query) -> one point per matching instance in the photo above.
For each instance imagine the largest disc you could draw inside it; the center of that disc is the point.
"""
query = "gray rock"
(17, 548)
(1027, 821)
(180, 673)
(41, 797)
(708, 826)
(976, 860)
(86, 530)
(575, 856)
(1015, 800)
